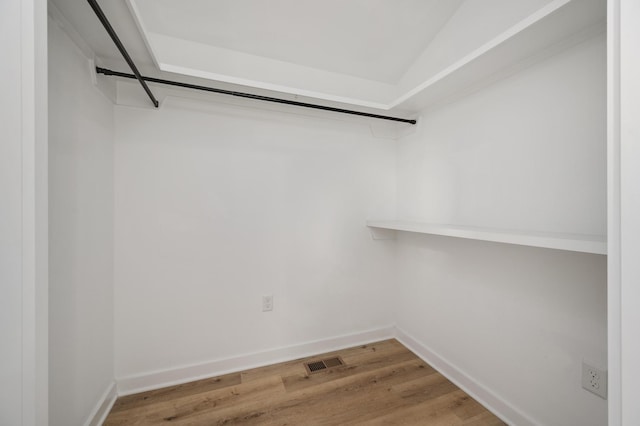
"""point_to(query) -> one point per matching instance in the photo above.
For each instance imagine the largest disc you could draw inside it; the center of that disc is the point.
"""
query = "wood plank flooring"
(380, 384)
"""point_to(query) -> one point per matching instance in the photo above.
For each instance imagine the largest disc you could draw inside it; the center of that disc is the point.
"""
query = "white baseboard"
(158, 379)
(102, 407)
(494, 403)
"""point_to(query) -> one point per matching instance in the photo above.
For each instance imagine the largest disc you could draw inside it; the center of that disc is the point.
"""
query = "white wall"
(23, 209)
(527, 153)
(217, 205)
(81, 235)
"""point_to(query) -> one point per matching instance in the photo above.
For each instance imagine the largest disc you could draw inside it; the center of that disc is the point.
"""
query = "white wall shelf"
(595, 244)
(560, 24)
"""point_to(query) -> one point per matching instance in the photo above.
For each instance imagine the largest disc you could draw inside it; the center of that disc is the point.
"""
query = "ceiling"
(368, 53)
(371, 39)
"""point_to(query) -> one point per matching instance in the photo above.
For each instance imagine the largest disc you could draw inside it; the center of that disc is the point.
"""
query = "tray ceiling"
(370, 39)
(370, 53)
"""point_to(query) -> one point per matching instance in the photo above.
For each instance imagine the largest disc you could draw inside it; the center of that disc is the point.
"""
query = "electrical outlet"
(594, 380)
(267, 303)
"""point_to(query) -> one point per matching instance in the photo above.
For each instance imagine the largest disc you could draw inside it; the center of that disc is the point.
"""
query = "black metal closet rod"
(116, 40)
(252, 96)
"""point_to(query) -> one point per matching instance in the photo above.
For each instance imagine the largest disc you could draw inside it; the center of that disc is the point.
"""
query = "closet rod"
(116, 40)
(252, 96)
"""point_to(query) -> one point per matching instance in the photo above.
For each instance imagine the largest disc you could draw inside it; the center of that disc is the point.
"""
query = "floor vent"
(318, 366)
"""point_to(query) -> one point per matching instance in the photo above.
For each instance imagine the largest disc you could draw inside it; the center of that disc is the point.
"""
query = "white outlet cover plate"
(267, 303)
(594, 379)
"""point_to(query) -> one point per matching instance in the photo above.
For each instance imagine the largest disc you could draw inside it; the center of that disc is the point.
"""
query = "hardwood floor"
(380, 384)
